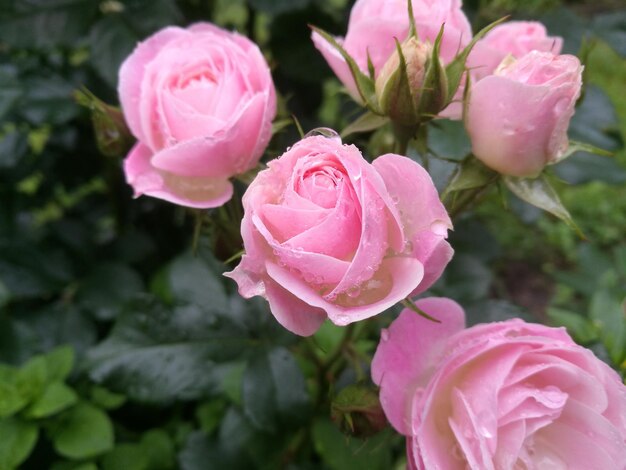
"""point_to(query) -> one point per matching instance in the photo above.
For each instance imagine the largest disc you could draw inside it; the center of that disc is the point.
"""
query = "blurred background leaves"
(122, 347)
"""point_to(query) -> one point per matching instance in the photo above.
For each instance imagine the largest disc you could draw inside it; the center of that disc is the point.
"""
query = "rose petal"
(132, 71)
(218, 155)
(408, 353)
(201, 193)
(403, 274)
(292, 313)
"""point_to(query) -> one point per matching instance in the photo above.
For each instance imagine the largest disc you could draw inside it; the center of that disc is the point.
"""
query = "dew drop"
(439, 227)
(324, 132)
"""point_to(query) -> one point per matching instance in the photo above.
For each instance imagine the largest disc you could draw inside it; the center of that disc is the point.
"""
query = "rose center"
(322, 186)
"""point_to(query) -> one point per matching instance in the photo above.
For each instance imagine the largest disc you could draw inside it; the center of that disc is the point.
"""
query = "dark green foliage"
(121, 344)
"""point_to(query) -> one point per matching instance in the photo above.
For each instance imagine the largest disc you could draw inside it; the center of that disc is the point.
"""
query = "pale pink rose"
(200, 102)
(374, 24)
(515, 38)
(517, 119)
(498, 396)
(329, 235)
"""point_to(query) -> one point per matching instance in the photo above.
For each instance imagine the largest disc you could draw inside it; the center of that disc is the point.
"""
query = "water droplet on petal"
(439, 227)
(324, 132)
(384, 335)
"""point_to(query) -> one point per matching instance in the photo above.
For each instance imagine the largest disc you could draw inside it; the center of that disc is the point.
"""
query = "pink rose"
(328, 234)
(498, 396)
(200, 102)
(517, 119)
(374, 24)
(516, 38)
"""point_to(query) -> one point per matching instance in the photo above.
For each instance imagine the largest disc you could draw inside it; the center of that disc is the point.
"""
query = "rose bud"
(329, 235)
(357, 411)
(200, 102)
(375, 25)
(517, 119)
(508, 395)
(399, 91)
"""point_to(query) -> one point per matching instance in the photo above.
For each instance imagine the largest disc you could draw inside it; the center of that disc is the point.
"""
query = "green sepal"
(364, 84)
(575, 146)
(456, 68)
(540, 193)
(396, 98)
(364, 123)
(434, 93)
(113, 136)
(470, 174)
(412, 27)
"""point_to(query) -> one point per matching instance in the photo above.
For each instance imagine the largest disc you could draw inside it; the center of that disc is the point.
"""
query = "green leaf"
(74, 466)
(111, 40)
(13, 146)
(159, 449)
(32, 378)
(11, 398)
(492, 310)
(48, 100)
(364, 84)
(466, 279)
(82, 432)
(192, 281)
(105, 399)
(470, 174)
(127, 457)
(17, 440)
(539, 193)
(209, 415)
(106, 290)
(59, 363)
(274, 390)
(10, 89)
(364, 123)
(49, 23)
(610, 318)
(157, 355)
(276, 7)
(448, 139)
(456, 68)
(579, 327)
(340, 452)
(55, 398)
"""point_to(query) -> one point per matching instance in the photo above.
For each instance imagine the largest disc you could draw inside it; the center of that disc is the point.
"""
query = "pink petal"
(291, 312)
(408, 353)
(200, 193)
(132, 71)
(415, 194)
(337, 64)
(511, 125)
(403, 274)
(434, 252)
(218, 155)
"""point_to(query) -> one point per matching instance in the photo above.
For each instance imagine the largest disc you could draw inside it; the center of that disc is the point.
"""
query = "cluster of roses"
(328, 235)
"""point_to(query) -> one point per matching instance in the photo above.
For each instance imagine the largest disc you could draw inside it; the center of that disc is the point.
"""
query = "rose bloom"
(328, 234)
(375, 24)
(200, 102)
(515, 38)
(517, 119)
(498, 396)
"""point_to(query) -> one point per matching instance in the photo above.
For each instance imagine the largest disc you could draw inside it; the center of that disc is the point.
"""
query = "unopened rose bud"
(358, 412)
(399, 94)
